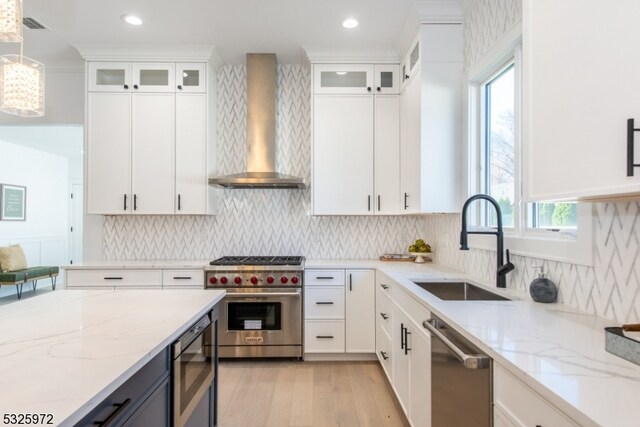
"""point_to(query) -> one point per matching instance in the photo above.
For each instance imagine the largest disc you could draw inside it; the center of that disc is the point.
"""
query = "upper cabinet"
(579, 63)
(149, 142)
(356, 139)
(430, 110)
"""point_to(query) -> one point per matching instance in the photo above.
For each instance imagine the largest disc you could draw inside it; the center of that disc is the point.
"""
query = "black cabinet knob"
(406, 76)
(378, 89)
(135, 86)
(126, 86)
(180, 87)
(369, 89)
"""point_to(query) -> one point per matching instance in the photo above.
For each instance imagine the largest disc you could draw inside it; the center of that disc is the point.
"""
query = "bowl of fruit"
(420, 250)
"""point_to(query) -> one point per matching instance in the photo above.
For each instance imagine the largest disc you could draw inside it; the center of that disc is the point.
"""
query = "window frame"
(563, 245)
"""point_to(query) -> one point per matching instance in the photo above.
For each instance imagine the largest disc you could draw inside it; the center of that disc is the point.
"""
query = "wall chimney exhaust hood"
(261, 131)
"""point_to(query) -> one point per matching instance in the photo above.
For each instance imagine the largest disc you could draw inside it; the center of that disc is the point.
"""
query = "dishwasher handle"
(469, 361)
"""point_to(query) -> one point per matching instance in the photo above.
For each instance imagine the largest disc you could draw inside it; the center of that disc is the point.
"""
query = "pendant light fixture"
(21, 78)
(11, 20)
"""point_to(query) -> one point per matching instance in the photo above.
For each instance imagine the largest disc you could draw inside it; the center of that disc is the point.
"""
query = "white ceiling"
(65, 141)
(235, 27)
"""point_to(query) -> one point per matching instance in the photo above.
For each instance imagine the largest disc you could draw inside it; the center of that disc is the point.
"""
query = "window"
(546, 230)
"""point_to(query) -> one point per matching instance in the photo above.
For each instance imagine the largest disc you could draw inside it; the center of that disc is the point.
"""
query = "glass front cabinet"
(356, 79)
(147, 77)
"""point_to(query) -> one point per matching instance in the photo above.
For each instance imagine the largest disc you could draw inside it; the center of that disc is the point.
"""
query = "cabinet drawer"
(91, 279)
(383, 312)
(383, 350)
(521, 405)
(181, 279)
(383, 285)
(324, 278)
(324, 336)
(324, 303)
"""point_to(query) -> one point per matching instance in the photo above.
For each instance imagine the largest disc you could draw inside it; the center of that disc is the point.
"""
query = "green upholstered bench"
(31, 274)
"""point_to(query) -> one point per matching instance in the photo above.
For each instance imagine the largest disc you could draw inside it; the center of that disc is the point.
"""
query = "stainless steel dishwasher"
(461, 394)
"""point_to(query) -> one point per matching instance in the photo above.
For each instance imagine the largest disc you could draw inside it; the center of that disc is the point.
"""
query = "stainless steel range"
(261, 315)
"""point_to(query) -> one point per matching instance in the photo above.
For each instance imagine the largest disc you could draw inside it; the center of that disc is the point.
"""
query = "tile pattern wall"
(260, 222)
(484, 23)
(611, 288)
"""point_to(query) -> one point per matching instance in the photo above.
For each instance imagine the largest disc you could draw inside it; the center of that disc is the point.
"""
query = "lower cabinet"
(134, 279)
(155, 410)
(405, 350)
(516, 405)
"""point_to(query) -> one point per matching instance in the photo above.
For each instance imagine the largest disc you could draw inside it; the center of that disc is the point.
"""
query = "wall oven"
(194, 367)
(261, 314)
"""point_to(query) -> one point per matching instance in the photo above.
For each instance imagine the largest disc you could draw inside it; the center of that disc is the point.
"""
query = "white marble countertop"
(556, 350)
(139, 264)
(63, 352)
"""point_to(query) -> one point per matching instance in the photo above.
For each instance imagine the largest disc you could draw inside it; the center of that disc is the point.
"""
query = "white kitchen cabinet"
(356, 144)
(579, 92)
(324, 336)
(353, 79)
(183, 279)
(109, 153)
(113, 279)
(360, 311)
(518, 406)
(400, 360)
(153, 153)
(430, 165)
(343, 155)
(410, 63)
(420, 380)
(154, 77)
(384, 353)
(150, 149)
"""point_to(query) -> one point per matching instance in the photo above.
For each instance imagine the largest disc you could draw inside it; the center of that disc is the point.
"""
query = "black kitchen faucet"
(502, 269)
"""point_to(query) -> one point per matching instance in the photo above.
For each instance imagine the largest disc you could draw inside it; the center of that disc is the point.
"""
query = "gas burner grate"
(258, 260)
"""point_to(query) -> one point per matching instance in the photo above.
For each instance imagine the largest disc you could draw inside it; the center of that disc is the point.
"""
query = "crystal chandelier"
(10, 20)
(21, 86)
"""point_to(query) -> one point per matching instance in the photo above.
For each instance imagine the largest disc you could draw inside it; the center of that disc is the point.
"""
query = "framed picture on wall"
(13, 202)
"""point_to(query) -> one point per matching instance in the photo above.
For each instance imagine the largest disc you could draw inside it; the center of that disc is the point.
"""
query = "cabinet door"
(410, 142)
(343, 155)
(580, 93)
(191, 77)
(400, 360)
(155, 410)
(386, 79)
(109, 153)
(420, 378)
(191, 154)
(153, 155)
(109, 77)
(360, 311)
(343, 79)
(154, 77)
(387, 154)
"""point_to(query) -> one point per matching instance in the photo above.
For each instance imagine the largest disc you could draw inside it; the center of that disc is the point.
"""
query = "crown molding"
(151, 53)
(429, 12)
(326, 55)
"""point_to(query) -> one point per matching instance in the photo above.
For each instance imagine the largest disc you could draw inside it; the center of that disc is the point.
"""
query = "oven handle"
(263, 294)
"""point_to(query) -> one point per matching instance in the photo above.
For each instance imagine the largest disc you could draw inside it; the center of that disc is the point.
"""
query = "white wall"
(44, 233)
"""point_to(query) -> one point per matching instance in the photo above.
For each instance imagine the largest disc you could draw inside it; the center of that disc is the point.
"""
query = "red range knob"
(237, 280)
(254, 280)
(294, 280)
(213, 280)
(284, 280)
(224, 280)
(270, 280)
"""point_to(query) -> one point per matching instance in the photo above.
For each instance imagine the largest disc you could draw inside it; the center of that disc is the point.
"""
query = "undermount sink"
(459, 291)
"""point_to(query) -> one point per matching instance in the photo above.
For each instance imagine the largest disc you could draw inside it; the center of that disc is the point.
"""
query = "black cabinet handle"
(135, 202)
(324, 337)
(324, 277)
(384, 355)
(385, 287)
(369, 203)
(369, 89)
(631, 130)
(324, 302)
(119, 407)
(135, 86)
(402, 336)
(182, 278)
(378, 89)
(179, 204)
(378, 203)
(126, 86)
(113, 278)
(125, 202)
(180, 87)
(406, 341)
(384, 316)
(406, 196)
(406, 76)
(350, 283)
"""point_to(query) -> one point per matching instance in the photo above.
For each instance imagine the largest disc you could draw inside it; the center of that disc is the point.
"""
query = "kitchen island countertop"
(65, 351)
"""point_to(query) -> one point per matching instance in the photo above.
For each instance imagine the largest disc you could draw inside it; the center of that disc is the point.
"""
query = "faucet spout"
(501, 271)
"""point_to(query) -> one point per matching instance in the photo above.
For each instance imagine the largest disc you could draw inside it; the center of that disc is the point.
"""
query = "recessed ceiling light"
(350, 23)
(131, 19)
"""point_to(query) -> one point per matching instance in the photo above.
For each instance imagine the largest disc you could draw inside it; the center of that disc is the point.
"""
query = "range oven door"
(261, 317)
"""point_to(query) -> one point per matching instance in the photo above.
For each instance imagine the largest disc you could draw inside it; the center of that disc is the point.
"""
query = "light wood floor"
(290, 393)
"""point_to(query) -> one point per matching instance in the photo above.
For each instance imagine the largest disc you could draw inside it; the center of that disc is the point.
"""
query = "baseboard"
(340, 357)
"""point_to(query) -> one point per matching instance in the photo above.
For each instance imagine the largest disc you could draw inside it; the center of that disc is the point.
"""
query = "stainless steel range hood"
(261, 131)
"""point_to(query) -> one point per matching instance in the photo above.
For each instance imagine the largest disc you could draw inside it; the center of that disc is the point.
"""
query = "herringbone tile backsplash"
(260, 222)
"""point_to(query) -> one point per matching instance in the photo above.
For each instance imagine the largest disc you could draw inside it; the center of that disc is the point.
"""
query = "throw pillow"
(12, 258)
